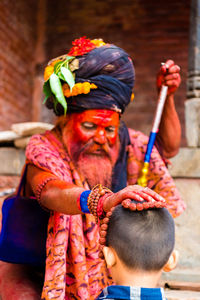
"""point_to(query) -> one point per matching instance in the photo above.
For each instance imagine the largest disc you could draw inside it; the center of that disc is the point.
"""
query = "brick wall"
(17, 47)
(149, 31)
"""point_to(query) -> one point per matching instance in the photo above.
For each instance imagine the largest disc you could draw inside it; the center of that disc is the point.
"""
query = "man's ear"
(172, 261)
(109, 256)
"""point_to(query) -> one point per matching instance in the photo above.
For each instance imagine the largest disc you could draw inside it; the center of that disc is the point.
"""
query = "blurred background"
(34, 31)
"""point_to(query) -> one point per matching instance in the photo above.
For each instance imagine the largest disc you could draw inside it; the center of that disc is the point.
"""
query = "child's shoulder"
(117, 292)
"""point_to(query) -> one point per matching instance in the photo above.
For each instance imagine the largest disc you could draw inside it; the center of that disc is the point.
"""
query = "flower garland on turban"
(93, 75)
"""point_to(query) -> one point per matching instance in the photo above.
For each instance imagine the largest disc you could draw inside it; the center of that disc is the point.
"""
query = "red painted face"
(98, 127)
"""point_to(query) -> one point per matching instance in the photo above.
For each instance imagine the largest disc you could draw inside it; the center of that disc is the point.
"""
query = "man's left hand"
(169, 75)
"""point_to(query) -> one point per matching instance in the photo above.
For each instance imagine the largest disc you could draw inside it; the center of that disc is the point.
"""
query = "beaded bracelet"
(40, 188)
(128, 204)
(93, 199)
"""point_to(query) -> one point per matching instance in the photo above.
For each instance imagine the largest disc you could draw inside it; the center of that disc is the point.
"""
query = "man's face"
(93, 131)
(91, 138)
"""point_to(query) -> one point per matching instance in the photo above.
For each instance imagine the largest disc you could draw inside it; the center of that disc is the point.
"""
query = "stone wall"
(185, 170)
(12, 161)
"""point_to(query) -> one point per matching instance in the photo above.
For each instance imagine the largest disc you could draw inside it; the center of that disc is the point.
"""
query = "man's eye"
(110, 128)
(88, 125)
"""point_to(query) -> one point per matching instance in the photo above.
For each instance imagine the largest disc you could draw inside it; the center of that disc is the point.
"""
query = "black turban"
(111, 69)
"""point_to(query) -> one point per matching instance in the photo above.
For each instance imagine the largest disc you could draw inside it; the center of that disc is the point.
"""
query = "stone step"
(182, 295)
(182, 274)
(12, 160)
(184, 284)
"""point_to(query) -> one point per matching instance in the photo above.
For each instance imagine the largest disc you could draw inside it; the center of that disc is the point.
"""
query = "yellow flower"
(86, 87)
(55, 62)
(78, 88)
(132, 96)
(48, 72)
(93, 86)
(66, 90)
(98, 42)
(50, 69)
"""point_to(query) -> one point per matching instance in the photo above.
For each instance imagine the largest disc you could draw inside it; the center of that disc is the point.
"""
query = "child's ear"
(172, 261)
(109, 256)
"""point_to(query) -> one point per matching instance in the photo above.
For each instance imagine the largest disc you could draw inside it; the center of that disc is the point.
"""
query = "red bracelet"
(100, 212)
(78, 202)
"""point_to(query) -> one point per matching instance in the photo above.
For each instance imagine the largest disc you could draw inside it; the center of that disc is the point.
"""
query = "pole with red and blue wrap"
(142, 180)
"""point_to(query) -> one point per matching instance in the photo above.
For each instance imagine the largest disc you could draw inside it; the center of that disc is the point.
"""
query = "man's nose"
(100, 136)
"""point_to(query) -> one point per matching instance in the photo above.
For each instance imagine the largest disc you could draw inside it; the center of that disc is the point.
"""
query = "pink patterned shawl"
(73, 269)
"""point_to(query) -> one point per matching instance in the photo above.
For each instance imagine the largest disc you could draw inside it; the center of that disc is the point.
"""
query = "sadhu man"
(90, 161)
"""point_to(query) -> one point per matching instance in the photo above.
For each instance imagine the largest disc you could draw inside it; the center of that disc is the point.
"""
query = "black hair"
(142, 239)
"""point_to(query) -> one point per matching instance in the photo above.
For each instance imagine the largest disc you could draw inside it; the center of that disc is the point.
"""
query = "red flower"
(81, 46)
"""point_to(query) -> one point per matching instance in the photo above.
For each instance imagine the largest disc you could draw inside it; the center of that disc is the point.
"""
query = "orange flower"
(55, 62)
(132, 96)
(78, 88)
(50, 69)
(98, 42)
(48, 72)
(86, 88)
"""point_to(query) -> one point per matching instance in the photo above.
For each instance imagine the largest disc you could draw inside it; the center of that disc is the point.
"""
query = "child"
(139, 245)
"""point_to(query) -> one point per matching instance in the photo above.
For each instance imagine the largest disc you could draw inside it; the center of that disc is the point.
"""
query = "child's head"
(142, 240)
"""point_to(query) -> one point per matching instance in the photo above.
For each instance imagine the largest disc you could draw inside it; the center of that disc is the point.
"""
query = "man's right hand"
(133, 192)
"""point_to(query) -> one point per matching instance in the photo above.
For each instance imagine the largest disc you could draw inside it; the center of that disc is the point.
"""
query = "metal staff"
(142, 180)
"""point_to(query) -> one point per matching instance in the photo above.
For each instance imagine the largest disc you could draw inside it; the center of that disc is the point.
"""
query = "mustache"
(92, 147)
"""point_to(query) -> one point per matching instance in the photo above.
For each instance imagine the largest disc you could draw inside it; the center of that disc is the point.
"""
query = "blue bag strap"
(22, 181)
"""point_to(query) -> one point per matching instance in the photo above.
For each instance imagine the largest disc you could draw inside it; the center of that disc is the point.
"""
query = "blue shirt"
(118, 292)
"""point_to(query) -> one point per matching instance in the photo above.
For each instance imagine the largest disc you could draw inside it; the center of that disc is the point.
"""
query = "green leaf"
(69, 78)
(69, 57)
(47, 91)
(55, 105)
(57, 67)
(60, 75)
(63, 63)
(56, 88)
